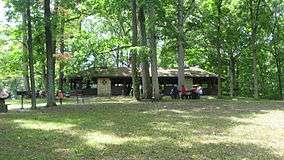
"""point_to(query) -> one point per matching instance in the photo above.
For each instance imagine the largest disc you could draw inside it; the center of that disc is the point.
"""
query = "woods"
(141, 79)
(241, 41)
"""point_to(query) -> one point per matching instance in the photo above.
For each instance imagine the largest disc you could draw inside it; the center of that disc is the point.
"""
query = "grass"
(120, 128)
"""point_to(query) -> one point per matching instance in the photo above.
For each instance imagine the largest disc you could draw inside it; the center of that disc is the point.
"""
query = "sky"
(2, 12)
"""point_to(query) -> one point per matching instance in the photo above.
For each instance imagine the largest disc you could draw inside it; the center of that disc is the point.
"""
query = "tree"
(180, 43)
(219, 5)
(49, 55)
(62, 47)
(135, 76)
(31, 59)
(147, 94)
(254, 6)
(25, 56)
(277, 12)
(153, 49)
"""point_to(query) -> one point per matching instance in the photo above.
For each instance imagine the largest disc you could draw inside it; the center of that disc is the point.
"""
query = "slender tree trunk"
(255, 75)
(117, 57)
(25, 61)
(54, 23)
(147, 93)
(31, 59)
(180, 43)
(254, 11)
(279, 75)
(62, 46)
(277, 56)
(49, 54)
(135, 76)
(153, 50)
(219, 5)
(26, 78)
(232, 75)
(44, 78)
(237, 77)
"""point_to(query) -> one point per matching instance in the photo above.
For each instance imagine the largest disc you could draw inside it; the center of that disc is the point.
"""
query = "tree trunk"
(62, 46)
(54, 23)
(31, 59)
(44, 78)
(49, 54)
(279, 75)
(219, 65)
(26, 78)
(135, 76)
(145, 59)
(25, 59)
(153, 51)
(117, 57)
(254, 56)
(180, 43)
(232, 74)
(277, 56)
(254, 13)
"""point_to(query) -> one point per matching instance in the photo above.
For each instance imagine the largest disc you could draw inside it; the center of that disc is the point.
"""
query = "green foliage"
(97, 33)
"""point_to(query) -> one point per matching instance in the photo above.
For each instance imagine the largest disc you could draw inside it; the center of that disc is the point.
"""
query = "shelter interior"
(118, 81)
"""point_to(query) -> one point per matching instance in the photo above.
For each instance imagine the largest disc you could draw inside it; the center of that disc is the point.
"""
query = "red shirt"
(60, 95)
(183, 90)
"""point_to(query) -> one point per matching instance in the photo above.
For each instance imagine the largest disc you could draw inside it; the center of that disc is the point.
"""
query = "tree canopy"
(240, 40)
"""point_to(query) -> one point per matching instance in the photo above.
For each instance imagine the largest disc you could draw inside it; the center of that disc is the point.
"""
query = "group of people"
(194, 93)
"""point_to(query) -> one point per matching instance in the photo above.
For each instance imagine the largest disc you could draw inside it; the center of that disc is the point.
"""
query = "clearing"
(121, 128)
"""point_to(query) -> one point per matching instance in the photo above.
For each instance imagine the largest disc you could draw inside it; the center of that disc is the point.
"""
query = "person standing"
(60, 96)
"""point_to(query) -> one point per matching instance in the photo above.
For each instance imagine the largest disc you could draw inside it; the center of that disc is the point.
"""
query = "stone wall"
(104, 87)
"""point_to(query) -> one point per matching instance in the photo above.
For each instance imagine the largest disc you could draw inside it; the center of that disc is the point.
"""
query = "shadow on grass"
(129, 131)
(39, 144)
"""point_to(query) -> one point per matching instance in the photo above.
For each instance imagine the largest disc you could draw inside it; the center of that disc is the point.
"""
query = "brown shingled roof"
(126, 72)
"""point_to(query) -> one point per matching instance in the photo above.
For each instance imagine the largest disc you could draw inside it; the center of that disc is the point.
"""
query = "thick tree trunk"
(219, 65)
(62, 46)
(25, 59)
(153, 51)
(147, 93)
(180, 43)
(135, 76)
(31, 59)
(49, 54)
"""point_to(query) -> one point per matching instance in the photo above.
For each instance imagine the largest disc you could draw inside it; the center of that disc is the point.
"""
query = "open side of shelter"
(118, 81)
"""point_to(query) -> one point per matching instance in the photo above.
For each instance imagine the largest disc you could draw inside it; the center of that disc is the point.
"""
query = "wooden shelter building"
(118, 81)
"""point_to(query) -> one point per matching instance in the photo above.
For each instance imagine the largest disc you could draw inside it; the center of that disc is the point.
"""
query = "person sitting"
(184, 92)
(174, 93)
(195, 92)
(199, 91)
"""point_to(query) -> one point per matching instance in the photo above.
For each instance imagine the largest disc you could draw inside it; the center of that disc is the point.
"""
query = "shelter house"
(118, 81)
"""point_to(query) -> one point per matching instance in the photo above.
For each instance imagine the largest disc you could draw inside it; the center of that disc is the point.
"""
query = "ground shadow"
(165, 127)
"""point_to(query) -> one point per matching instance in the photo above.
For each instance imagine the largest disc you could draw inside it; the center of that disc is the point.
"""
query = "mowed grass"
(121, 128)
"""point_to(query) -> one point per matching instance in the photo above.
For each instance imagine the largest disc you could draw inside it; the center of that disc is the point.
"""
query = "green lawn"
(121, 128)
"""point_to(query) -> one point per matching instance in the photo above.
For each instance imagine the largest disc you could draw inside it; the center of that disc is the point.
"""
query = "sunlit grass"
(41, 125)
(121, 128)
